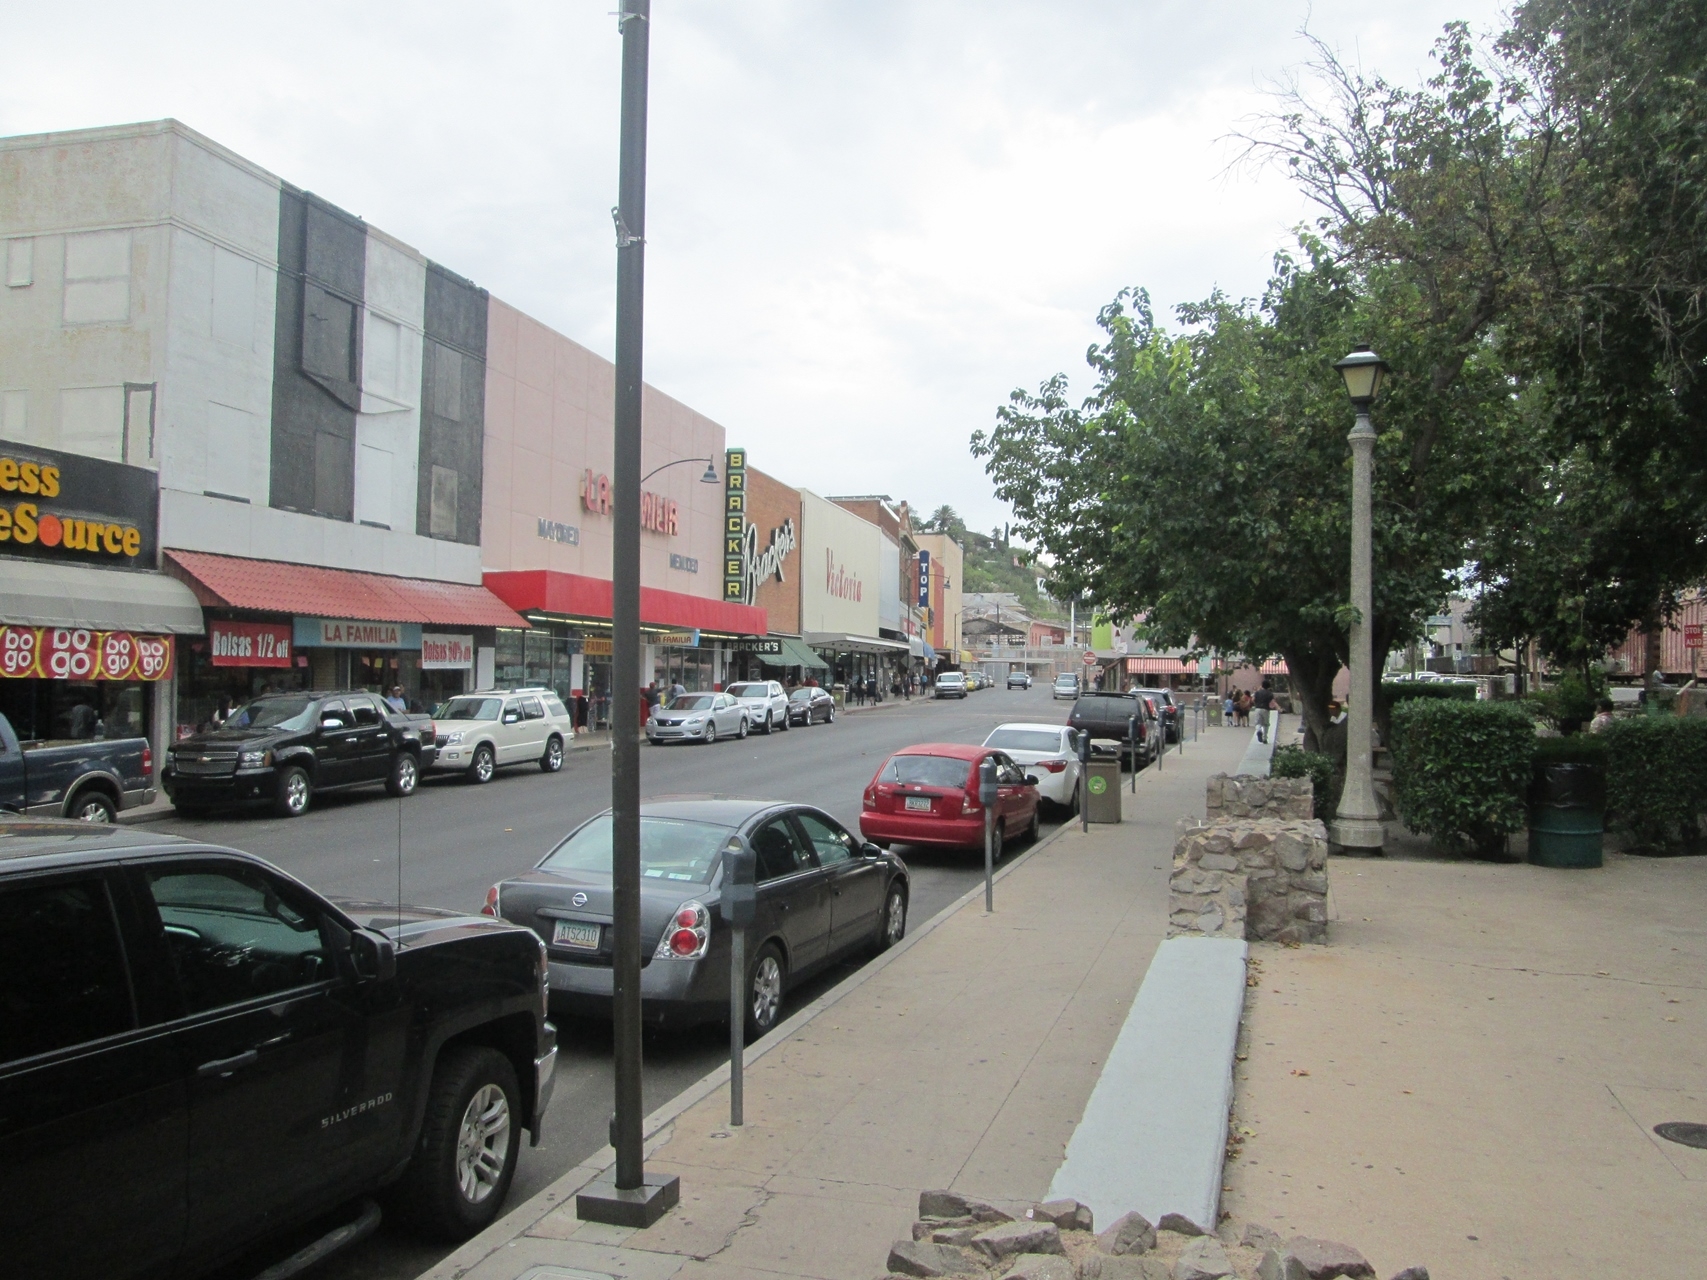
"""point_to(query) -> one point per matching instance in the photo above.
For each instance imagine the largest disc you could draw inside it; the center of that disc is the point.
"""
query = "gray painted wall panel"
(453, 400)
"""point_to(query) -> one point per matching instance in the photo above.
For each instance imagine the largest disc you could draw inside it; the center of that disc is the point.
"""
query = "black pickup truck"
(200, 1056)
(87, 778)
(1111, 717)
(282, 748)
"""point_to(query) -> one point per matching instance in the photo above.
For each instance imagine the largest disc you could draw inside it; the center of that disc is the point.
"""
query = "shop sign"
(924, 579)
(73, 653)
(62, 506)
(763, 648)
(735, 525)
(249, 644)
(442, 652)
(840, 582)
(757, 565)
(355, 633)
(557, 531)
(657, 513)
(597, 647)
(678, 639)
(687, 564)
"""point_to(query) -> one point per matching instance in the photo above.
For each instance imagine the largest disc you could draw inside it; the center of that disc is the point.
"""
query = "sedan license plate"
(919, 804)
(572, 933)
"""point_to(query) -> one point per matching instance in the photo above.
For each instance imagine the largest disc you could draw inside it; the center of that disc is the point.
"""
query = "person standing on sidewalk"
(1263, 702)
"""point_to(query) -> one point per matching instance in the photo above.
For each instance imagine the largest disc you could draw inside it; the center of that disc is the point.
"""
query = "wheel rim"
(711, 733)
(483, 764)
(743, 730)
(895, 919)
(406, 774)
(554, 754)
(483, 1144)
(92, 811)
(767, 990)
(296, 792)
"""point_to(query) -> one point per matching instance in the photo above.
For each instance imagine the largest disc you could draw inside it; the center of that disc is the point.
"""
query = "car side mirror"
(331, 724)
(870, 850)
(373, 956)
(511, 717)
(1031, 779)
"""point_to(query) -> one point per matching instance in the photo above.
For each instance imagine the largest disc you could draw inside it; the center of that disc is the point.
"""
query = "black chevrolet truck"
(281, 749)
(199, 1055)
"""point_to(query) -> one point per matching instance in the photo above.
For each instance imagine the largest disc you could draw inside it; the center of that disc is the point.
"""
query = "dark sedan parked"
(811, 705)
(821, 895)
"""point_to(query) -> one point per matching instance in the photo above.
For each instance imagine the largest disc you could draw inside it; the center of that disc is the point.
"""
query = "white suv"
(479, 733)
(765, 702)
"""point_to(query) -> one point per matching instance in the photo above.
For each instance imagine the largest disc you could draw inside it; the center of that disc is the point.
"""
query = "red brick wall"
(771, 503)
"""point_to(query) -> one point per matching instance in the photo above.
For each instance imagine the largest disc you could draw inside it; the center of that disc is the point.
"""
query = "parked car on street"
(1066, 686)
(1019, 679)
(1110, 717)
(765, 701)
(480, 733)
(198, 1053)
(928, 795)
(809, 705)
(1167, 709)
(1049, 753)
(822, 895)
(284, 748)
(951, 684)
(697, 717)
(87, 778)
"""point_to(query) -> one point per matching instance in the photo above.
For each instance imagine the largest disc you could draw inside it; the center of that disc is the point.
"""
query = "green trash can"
(1567, 815)
(1102, 791)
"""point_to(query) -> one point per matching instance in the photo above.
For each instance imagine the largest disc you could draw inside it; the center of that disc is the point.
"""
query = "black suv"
(1111, 717)
(282, 748)
(198, 1053)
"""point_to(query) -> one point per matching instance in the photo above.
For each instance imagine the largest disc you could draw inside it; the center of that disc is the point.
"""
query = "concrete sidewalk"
(962, 1059)
(1469, 1075)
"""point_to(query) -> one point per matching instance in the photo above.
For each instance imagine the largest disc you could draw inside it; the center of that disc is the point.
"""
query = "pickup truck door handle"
(228, 1066)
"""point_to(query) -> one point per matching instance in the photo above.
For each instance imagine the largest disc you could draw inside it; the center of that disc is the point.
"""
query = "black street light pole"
(630, 1198)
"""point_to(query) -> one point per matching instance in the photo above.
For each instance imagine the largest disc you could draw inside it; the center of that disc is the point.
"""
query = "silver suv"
(765, 702)
(479, 733)
(1066, 686)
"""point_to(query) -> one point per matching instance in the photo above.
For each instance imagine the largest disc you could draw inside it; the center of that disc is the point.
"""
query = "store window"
(76, 711)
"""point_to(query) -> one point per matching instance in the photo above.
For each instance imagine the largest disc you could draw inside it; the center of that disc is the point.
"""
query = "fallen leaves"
(1299, 1071)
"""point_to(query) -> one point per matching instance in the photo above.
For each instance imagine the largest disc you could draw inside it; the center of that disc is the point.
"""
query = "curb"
(518, 1220)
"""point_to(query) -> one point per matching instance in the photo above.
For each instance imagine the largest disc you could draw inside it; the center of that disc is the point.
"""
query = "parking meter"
(1084, 745)
(737, 903)
(1132, 748)
(987, 793)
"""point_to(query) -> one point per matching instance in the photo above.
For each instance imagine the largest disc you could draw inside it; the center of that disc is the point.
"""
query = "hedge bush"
(1295, 762)
(1579, 748)
(1461, 770)
(1656, 778)
(1395, 691)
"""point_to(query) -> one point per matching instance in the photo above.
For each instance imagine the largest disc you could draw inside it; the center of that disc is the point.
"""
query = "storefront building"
(840, 591)
(902, 609)
(763, 568)
(940, 562)
(90, 631)
(548, 522)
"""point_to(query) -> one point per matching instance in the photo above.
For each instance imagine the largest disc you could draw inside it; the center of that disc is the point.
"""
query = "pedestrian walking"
(1227, 709)
(1242, 708)
(1261, 702)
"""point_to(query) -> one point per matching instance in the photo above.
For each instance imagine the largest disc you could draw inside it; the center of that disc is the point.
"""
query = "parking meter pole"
(737, 1025)
(987, 796)
(1132, 750)
(1084, 781)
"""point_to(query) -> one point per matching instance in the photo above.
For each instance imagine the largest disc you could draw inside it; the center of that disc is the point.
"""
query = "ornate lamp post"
(1357, 823)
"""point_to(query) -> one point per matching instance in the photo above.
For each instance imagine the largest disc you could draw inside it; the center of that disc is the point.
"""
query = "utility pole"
(628, 1198)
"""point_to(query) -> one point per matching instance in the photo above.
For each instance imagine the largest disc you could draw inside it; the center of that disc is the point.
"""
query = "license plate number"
(919, 804)
(572, 933)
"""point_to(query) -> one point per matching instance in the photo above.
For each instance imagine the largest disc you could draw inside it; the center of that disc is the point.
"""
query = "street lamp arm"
(710, 476)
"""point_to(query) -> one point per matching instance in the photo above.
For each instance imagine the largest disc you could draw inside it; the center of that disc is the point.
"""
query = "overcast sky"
(867, 221)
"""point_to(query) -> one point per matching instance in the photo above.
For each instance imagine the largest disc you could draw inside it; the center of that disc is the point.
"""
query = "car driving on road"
(765, 702)
(951, 684)
(1066, 686)
(1019, 680)
(198, 1052)
(697, 717)
(480, 733)
(811, 705)
(821, 895)
(928, 795)
(1048, 752)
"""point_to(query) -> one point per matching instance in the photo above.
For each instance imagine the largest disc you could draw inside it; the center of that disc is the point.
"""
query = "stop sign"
(1090, 658)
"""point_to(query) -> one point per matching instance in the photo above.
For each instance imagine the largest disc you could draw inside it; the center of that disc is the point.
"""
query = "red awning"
(1153, 665)
(233, 583)
(575, 596)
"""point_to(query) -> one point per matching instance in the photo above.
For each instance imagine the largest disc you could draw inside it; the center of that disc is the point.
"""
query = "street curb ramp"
(1153, 1136)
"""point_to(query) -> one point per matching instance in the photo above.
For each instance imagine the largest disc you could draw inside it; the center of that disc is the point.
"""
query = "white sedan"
(697, 717)
(1045, 751)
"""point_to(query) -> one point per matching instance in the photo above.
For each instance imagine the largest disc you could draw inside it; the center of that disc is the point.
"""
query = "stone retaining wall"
(1230, 796)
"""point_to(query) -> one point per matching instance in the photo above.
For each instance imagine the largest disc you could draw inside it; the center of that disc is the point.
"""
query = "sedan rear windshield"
(470, 709)
(1024, 740)
(692, 702)
(272, 713)
(927, 771)
(749, 691)
(670, 849)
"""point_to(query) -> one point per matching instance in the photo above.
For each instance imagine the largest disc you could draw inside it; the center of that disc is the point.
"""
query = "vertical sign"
(924, 579)
(734, 524)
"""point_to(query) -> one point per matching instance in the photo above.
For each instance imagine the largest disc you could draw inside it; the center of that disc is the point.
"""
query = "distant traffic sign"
(1692, 636)
(1090, 658)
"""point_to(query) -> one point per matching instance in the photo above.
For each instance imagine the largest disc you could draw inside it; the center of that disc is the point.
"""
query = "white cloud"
(867, 221)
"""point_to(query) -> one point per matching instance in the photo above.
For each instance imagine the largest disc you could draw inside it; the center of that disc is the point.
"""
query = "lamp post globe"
(1357, 821)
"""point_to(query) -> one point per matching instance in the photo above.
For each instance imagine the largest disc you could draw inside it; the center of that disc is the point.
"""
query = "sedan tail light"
(1053, 766)
(688, 935)
(491, 907)
(870, 798)
(969, 804)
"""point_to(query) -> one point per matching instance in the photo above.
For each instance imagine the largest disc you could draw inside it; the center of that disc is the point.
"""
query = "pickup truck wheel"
(93, 806)
(552, 760)
(466, 1159)
(483, 765)
(405, 773)
(295, 793)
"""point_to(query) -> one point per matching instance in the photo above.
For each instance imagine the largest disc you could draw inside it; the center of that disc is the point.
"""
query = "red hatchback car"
(928, 795)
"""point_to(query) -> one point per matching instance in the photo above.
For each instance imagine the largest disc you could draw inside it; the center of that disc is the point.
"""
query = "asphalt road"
(457, 839)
